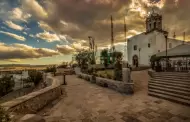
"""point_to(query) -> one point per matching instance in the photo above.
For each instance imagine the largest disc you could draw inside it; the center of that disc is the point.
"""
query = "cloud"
(65, 49)
(13, 60)
(31, 35)
(17, 14)
(72, 48)
(12, 25)
(25, 33)
(33, 7)
(92, 17)
(21, 51)
(21, 38)
(48, 36)
(44, 26)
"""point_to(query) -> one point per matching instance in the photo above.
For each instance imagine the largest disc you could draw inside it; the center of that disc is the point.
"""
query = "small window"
(158, 50)
(150, 26)
(170, 45)
(154, 24)
(148, 45)
(135, 47)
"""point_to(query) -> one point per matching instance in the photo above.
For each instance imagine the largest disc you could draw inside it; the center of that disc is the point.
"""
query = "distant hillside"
(22, 65)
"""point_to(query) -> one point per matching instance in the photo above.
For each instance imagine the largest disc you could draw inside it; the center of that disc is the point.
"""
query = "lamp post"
(139, 54)
(166, 37)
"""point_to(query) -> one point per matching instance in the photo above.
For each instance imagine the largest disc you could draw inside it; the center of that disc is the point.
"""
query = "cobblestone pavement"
(86, 102)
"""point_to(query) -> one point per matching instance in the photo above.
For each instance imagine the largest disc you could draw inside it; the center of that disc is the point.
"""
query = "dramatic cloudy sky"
(50, 31)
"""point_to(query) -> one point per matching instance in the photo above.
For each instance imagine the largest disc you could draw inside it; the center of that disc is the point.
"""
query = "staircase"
(173, 86)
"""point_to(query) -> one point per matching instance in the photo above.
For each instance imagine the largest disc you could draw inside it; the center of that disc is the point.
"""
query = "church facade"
(141, 47)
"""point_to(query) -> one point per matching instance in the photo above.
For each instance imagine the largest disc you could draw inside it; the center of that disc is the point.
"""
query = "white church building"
(141, 47)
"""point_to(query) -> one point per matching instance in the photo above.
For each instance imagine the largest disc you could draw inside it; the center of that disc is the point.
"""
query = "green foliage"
(153, 58)
(4, 116)
(118, 66)
(117, 55)
(51, 69)
(84, 58)
(105, 57)
(6, 84)
(35, 77)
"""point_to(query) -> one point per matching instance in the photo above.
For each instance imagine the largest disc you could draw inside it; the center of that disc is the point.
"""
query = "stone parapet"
(33, 102)
(119, 86)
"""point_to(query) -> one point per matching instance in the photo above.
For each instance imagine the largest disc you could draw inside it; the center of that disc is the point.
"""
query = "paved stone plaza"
(86, 102)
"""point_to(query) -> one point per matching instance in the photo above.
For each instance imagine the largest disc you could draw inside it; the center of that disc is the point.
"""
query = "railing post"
(64, 79)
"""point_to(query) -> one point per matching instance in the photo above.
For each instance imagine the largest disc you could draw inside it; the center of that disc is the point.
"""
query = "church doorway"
(135, 61)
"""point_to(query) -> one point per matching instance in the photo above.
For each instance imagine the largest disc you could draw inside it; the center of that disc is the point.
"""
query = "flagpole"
(125, 47)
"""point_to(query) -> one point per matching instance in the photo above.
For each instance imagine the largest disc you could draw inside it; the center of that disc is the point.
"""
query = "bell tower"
(153, 22)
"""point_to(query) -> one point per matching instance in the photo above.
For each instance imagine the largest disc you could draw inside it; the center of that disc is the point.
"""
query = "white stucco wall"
(157, 43)
(141, 41)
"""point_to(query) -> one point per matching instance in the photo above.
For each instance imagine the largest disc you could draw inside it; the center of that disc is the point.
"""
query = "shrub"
(79, 76)
(87, 78)
(6, 84)
(109, 76)
(51, 69)
(35, 76)
(4, 116)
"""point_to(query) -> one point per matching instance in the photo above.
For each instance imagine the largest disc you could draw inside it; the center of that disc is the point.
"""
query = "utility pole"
(112, 35)
(125, 47)
(183, 37)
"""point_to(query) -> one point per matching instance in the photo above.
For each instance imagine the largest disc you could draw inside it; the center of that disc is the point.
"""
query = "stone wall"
(127, 88)
(35, 101)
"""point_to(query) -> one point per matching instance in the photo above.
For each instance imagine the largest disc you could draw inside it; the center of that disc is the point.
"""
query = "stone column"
(126, 75)
(77, 70)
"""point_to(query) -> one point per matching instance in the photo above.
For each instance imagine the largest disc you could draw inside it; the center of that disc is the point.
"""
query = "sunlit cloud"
(12, 25)
(21, 51)
(48, 36)
(20, 38)
(18, 15)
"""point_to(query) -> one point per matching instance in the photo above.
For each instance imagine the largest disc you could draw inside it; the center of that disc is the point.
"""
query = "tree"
(51, 69)
(83, 59)
(118, 66)
(35, 77)
(6, 84)
(117, 55)
(104, 56)
(4, 116)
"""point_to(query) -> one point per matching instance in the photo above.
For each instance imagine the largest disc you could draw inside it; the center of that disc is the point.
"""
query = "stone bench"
(119, 86)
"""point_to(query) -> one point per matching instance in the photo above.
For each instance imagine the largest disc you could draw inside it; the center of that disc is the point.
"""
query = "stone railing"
(119, 86)
(33, 102)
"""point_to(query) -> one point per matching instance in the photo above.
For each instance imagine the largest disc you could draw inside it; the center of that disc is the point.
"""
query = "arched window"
(154, 24)
(135, 47)
(148, 45)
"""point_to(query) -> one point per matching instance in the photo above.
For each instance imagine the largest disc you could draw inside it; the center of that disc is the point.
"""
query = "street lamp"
(166, 37)
(139, 54)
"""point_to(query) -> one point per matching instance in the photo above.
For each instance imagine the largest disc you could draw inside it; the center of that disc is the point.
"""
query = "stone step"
(172, 78)
(170, 94)
(169, 90)
(171, 84)
(170, 81)
(170, 87)
(170, 73)
(181, 76)
(171, 98)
